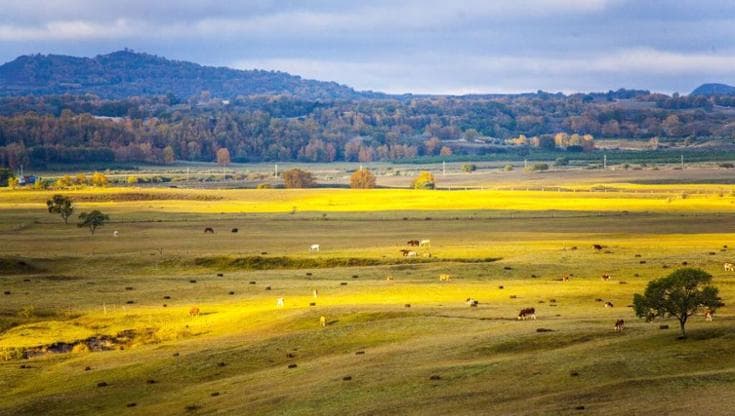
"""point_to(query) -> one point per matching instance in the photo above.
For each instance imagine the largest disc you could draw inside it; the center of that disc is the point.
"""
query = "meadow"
(398, 341)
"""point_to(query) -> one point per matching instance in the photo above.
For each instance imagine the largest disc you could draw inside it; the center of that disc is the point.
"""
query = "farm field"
(398, 341)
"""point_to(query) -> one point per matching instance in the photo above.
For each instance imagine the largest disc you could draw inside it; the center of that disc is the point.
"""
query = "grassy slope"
(488, 362)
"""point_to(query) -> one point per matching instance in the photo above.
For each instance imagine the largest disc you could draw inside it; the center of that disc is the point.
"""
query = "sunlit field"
(397, 340)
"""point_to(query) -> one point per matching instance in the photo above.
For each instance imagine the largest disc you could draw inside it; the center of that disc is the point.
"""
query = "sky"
(394, 46)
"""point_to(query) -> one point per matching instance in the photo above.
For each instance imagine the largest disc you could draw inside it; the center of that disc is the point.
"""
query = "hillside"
(126, 73)
(714, 89)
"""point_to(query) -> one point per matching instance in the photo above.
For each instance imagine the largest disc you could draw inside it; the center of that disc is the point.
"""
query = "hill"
(126, 73)
(714, 89)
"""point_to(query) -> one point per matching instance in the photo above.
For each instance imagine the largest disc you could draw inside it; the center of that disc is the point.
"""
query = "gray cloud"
(413, 45)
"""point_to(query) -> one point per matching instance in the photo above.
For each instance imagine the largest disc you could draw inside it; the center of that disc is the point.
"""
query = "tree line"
(42, 131)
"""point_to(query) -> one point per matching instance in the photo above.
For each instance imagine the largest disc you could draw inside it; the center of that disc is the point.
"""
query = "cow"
(115, 233)
(527, 313)
(209, 230)
(280, 302)
(322, 321)
(605, 277)
(565, 278)
(405, 252)
(234, 230)
(411, 254)
(619, 325)
(708, 315)
(194, 311)
(314, 247)
(608, 304)
(412, 243)
(729, 267)
(445, 277)
(472, 302)
(597, 247)
(425, 243)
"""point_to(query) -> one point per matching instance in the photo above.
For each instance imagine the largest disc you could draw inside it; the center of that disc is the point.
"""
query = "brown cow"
(527, 313)
(413, 243)
(605, 277)
(404, 252)
(194, 311)
(619, 325)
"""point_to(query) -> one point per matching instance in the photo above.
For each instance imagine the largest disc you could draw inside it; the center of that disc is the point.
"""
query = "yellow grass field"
(397, 340)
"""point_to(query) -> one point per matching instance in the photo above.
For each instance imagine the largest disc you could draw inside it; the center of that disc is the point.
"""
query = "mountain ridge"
(127, 73)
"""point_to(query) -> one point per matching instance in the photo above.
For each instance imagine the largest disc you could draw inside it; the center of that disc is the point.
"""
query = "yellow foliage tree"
(425, 180)
(362, 179)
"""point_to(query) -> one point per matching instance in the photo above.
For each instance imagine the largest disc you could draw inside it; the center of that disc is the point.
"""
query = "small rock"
(214, 394)
(231, 292)
(574, 374)
(435, 377)
(359, 352)
(292, 366)
(131, 404)
(347, 378)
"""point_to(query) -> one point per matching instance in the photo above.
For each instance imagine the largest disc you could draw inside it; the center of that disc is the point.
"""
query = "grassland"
(66, 285)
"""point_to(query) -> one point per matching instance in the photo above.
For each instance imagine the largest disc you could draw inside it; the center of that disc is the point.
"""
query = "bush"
(362, 179)
(508, 168)
(297, 178)
(132, 180)
(538, 167)
(726, 165)
(425, 180)
(469, 167)
(263, 186)
(561, 161)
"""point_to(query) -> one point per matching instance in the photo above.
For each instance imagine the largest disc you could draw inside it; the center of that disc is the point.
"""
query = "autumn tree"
(425, 180)
(92, 220)
(98, 179)
(680, 295)
(297, 178)
(445, 151)
(362, 179)
(169, 156)
(223, 156)
(59, 204)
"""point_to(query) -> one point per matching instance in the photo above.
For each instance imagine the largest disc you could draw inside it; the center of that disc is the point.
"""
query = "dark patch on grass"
(10, 265)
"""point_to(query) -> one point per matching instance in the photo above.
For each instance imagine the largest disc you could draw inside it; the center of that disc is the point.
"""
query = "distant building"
(27, 180)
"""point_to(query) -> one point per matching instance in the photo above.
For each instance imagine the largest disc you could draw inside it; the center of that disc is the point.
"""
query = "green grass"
(75, 285)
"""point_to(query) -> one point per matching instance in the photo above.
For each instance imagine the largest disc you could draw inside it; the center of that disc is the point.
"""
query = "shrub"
(538, 167)
(469, 167)
(508, 168)
(263, 186)
(297, 178)
(362, 179)
(425, 180)
(561, 161)
(132, 179)
(726, 165)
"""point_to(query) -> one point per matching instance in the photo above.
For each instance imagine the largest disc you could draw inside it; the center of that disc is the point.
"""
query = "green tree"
(92, 220)
(59, 204)
(362, 179)
(5, 176)
(425, 180)
(680, 295)
(469, 167)
(297, 178)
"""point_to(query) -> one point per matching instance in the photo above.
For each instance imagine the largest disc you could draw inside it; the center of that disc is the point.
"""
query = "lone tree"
(297, 178)
(59, 204)
(362, 179)
(223, 156)
(92, 220)
(425, 180)
(680, 295)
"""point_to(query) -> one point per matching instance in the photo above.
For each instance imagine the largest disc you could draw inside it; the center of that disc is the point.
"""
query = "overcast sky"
(419, 46)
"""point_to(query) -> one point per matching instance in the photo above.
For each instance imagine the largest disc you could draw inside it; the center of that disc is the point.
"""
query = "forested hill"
(714, 89)
(126, 73)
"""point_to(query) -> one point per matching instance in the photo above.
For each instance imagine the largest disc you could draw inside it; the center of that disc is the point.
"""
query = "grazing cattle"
(314, 247)
(411, 254)
(194, 311)
(606, 277)
(405, 252)
(388, 278)
(280, 302)
(115, 233)
(425, 243)
(527, 313)
(445, 277)
(315, 293)
(608, 304)
(472, 302)
(234, 230)
(322, 321)
(565, 278)
(209, 230)
(708, 315)
(597, 247)
(729, 267)
(413, 243)
(619, 325)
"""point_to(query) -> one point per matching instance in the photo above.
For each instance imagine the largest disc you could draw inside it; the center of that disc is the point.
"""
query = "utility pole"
(525, 163)
(275, 171)
(444, 168)
(604, 161)
(187, 174)
(682, 160)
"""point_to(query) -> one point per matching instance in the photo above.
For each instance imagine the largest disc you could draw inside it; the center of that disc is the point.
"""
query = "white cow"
(729, 267)
(314, 247)
(115, 234)
(280, 302)
(411, 254)
(322, 321)
(425, 243)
